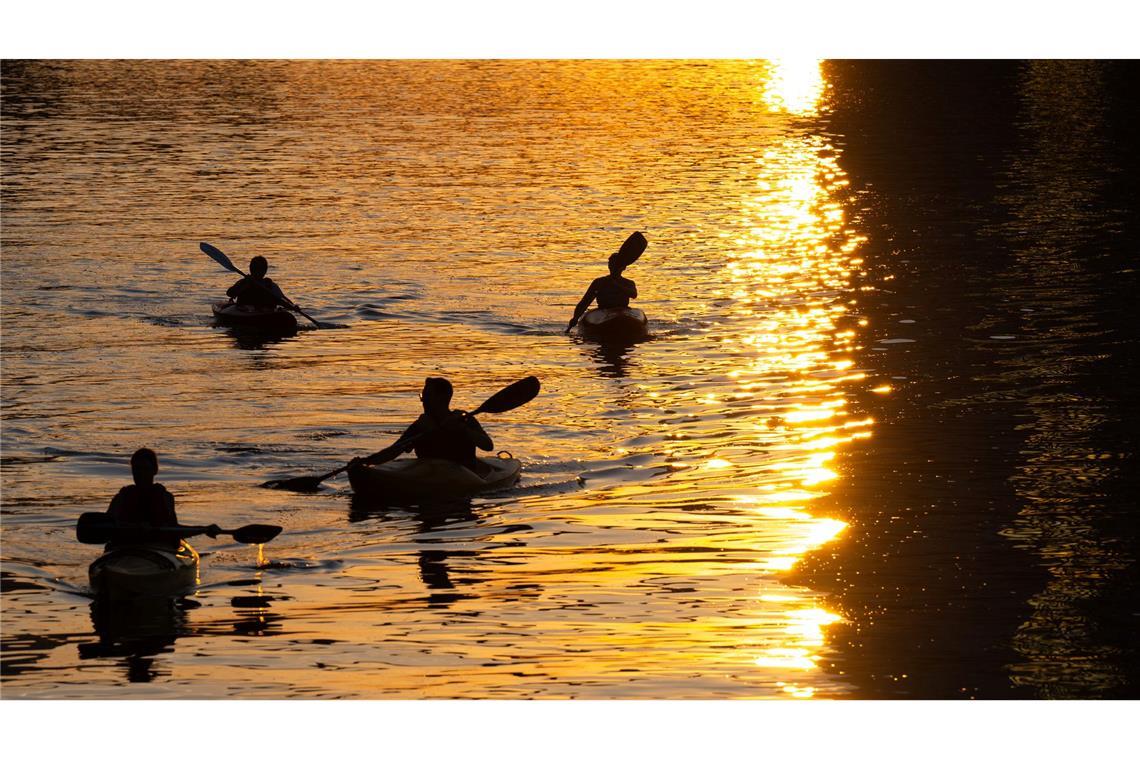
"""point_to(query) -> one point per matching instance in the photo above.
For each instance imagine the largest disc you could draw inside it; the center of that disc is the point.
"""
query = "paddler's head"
(616, 265)
(436, 395)
(258, 266)
(629, 252)
(144, 466)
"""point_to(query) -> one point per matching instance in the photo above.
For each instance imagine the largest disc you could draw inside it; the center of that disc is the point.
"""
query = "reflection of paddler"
(135, 630)
(613, 291)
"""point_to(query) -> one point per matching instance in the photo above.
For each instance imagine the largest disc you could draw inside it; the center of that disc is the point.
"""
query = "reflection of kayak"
(145, 570)
(617, 323)
(276, 319)
(420, 480)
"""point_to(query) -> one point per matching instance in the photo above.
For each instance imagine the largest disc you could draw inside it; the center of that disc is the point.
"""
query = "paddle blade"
(220, 257)
(513, 396)
(94, 528)
(631, 249)
(256, 534)
(303, 484)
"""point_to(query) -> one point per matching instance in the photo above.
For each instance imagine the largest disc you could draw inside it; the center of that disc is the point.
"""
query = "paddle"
(513, 396)
(224, 260)
(100, 527)
(631, 249)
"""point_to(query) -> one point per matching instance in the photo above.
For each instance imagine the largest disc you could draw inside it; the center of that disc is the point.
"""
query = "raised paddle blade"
(94, 528)
(256, 534)
(513, 396)
(220, 257)
(631, 249)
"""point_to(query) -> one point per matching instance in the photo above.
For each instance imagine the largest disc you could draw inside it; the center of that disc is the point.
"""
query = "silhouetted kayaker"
(145, 504)
(439, 433)
(612, 291)
(258, 290)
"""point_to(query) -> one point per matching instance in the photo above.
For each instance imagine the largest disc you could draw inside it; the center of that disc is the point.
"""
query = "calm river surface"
(881, 443)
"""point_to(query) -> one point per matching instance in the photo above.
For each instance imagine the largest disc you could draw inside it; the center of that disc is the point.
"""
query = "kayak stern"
(248, 317)
(145, 570)
(419, 481)
(620, 324)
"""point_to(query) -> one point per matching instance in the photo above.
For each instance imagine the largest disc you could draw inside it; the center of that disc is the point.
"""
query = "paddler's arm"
(584, 304)
(629, 286)
(404, 443)
(270, 287)
(275, 291)
(168, 516)
(380, 457)
(476, 433)
(116, 506)
(165, 517)
(238, 287)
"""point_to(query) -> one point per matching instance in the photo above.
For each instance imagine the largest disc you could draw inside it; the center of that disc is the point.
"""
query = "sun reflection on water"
(793, 261)
(794, 86)
(644, 554)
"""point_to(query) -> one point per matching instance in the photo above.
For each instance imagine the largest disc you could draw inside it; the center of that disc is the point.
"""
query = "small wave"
(372, 312)
(320, 435)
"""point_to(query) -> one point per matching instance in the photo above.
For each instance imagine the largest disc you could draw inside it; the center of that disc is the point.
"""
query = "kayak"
(276, 319)
(424, 480)
(621, 323)
(145, 570)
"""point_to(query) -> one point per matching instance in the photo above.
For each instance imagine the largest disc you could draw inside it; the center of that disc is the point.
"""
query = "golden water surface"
(449, 214)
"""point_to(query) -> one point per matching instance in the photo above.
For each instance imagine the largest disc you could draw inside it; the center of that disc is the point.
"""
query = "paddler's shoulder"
(136, 490)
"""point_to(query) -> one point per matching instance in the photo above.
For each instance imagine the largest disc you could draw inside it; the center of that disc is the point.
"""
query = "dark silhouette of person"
(439, 433)
(612, 291)
(145, 505)
(257, 290)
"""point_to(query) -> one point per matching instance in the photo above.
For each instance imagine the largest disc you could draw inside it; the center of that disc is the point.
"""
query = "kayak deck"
(145, 570)
(252, 317)
(415, 480)
(622, 323)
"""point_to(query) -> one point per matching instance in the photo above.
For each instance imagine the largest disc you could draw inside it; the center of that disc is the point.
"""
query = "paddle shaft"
(100, 527)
